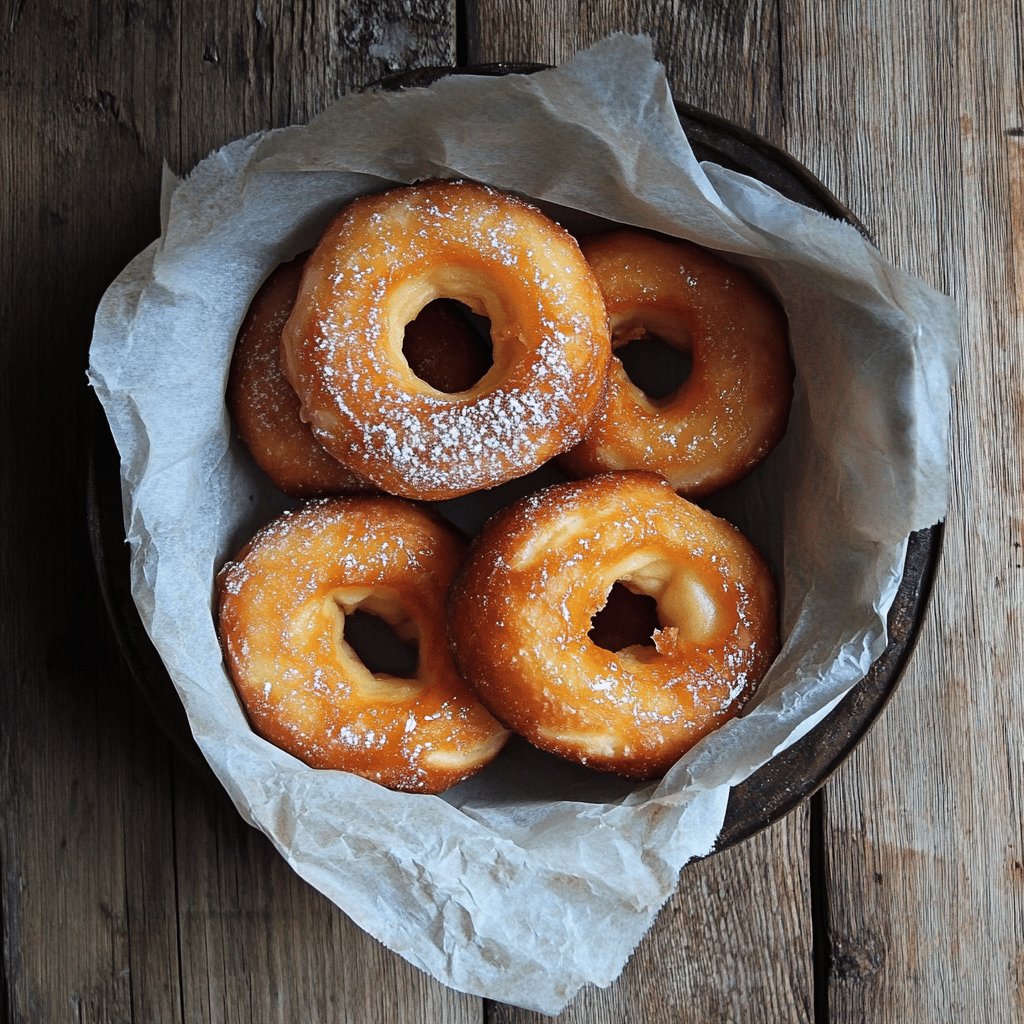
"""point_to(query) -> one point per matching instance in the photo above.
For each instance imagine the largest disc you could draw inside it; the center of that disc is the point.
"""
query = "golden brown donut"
(383, 259)
(521, 611)
(263, 405)
(732, 409)
(282, 607)
(439, 346)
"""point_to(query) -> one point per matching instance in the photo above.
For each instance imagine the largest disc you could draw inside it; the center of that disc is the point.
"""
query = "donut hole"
(654, 366)
(690, 602)
(655, 349)
(628, 619)
(379, 646)
(448, 346)
(655, 595)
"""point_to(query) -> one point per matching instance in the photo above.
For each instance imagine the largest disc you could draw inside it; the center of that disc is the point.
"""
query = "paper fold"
(536, 877)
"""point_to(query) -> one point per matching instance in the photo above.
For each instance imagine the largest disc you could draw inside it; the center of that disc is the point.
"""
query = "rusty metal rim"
(775, 789)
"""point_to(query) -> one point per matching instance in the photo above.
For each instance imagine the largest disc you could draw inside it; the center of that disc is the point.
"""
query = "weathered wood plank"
(129, 891)
(734, 938)
(927, 885)
(723, 57)
(911, 121)
(737, 934)
(246, 67)
(258, 944)
(89, 924)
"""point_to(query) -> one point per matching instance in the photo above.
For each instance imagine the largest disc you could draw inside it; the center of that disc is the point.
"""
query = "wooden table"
(132, 891)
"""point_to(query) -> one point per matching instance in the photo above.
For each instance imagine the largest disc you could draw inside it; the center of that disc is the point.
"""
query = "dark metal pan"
(769, 793)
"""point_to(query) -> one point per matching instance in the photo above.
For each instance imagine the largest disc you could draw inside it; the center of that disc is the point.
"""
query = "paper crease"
(537, 877)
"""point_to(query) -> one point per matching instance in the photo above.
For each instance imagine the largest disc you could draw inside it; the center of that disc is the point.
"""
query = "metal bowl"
(772, 791)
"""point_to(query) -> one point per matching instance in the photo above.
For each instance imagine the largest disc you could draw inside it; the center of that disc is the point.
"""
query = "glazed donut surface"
(439, 345)
(263, 405)
(732, 409)
(282, 607)
(522, 610)
(384, 258)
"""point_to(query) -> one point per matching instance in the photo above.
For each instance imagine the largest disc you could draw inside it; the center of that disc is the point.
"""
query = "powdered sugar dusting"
(497, 255)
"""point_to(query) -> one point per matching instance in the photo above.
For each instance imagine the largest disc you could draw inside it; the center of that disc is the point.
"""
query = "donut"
(439, 346)
(265, 409)
(732, 408)
(522, 610)
(283, 604)
(385, 257)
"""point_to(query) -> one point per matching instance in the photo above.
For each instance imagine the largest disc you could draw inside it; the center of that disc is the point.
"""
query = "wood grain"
(257, 944)
(130, 889)
(83, 789)
(723, 57)
(737, 934)
(911, 120)
(248, 67)
(732, 940)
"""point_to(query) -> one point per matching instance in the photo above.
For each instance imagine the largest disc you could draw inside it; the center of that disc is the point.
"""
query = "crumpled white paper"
(536, 877)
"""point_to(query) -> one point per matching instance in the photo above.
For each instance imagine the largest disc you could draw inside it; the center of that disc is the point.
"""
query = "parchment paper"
(536, 877)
